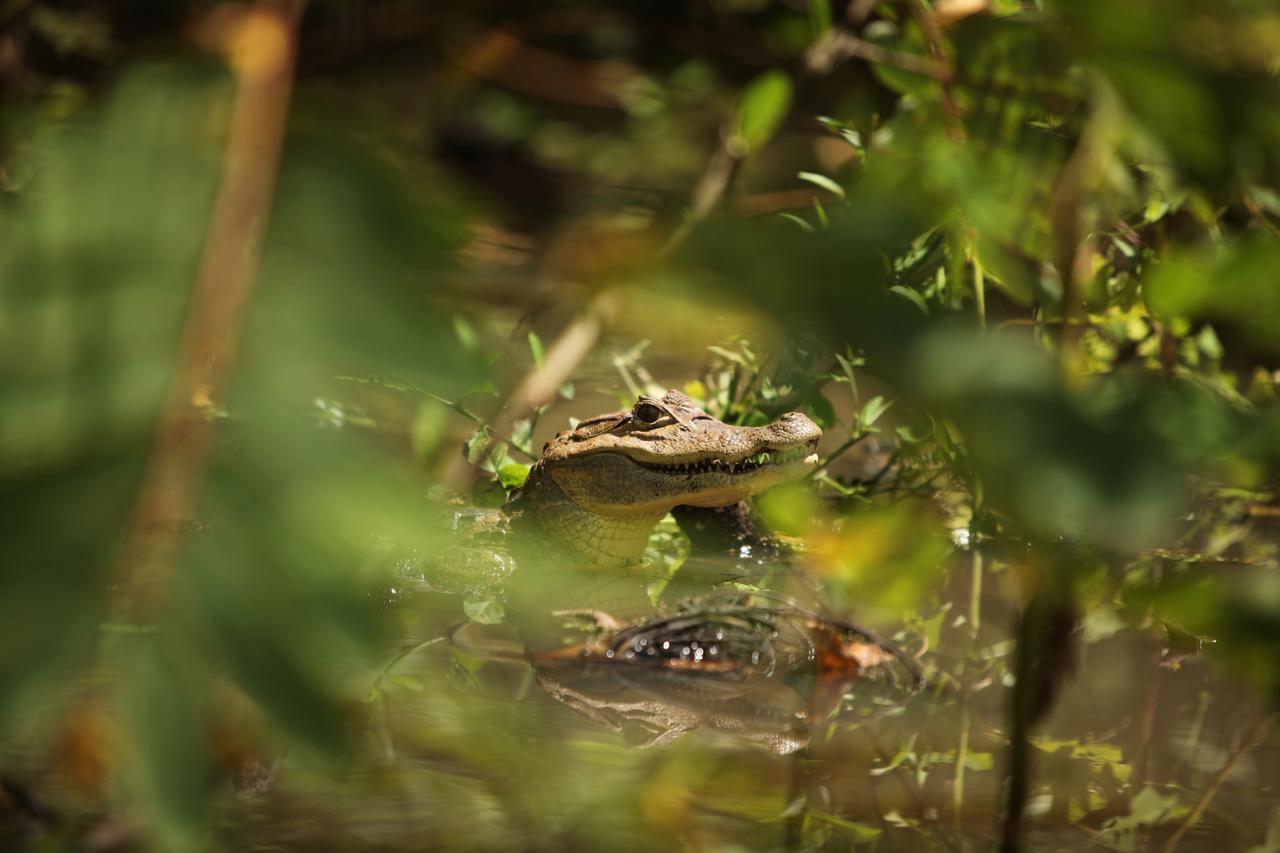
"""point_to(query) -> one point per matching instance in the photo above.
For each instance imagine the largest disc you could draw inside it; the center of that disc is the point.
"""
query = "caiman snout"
(797, 424)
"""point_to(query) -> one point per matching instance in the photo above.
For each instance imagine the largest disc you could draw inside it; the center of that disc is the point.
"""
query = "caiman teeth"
(741, 466)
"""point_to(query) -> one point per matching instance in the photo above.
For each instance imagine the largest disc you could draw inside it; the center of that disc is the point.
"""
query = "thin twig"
(414, 649)
(710, 189)
(539, 384)
(1147, 723)
(1066, 215)
(979, 293)
(840, 451)
(838, 46)
(933, 34)
(1258, 735)
(260, 47)
(975, 623)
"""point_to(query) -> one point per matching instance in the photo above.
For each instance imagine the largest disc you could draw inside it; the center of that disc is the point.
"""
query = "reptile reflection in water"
(763, 672)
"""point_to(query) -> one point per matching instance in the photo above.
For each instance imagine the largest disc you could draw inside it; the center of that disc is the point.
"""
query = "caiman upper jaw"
(783, 456)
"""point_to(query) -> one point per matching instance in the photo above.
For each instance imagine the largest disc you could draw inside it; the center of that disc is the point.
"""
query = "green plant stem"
(980, 294)
(975, 594)
(417, 647)
(975, 623)
(962, 754)
(841, 450)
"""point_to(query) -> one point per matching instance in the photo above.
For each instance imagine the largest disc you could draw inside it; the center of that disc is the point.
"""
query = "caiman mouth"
(806, 453)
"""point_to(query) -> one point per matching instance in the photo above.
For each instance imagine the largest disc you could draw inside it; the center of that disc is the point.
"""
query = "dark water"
(464, 749)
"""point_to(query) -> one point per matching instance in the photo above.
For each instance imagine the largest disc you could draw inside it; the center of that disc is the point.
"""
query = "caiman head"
(599, 489)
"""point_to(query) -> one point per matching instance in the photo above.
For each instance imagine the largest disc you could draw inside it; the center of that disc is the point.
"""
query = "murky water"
(464, 747)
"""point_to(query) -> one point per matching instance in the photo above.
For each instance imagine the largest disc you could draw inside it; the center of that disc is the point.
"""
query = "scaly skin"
(598, 490)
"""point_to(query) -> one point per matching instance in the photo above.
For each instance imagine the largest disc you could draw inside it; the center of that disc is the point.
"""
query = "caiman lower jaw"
(804, 453)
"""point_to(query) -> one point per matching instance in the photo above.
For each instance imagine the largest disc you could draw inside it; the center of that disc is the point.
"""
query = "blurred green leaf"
(822, 181)
(1148, 808)
(911, 296)
(819, 17)
(92, 283)
(1232, 281)
(872, 410)
(765, 102)
(535, 347)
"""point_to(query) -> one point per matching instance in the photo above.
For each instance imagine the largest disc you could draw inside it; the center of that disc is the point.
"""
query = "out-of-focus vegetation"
(1019, 258)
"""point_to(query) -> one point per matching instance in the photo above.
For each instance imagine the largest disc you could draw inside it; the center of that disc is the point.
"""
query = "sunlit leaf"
(872, 410)
(764, 105)
(513, 474)
(535, 347)
(822, 181)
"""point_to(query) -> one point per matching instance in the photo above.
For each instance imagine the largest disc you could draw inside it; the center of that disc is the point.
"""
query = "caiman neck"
(594, 540)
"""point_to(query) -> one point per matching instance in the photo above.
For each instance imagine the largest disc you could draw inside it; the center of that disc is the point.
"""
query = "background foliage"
(1017, 258)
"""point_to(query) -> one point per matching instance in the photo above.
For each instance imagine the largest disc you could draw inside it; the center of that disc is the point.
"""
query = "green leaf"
(1148, 808)
(535, 347)
(801, 223)
(819, 17)
(764, 105)
(871, 412)
(730, 356)
(476, 445)
(521, 434)
(1209, 344)
(822, 181)
(912, 296)
(906, 753)
(909, 435)
(860, 832)
(513, 474)
(1100, 623)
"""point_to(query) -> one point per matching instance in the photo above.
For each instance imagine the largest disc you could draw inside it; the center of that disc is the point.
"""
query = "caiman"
(593, 498)
(583, 519)
(598, 490)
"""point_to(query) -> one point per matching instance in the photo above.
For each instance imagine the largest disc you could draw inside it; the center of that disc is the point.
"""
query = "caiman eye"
(647, 413)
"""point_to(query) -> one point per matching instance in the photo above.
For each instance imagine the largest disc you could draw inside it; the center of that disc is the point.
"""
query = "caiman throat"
(598, 490)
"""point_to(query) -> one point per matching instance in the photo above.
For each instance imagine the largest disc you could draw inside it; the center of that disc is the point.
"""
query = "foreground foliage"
(1018, 259)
